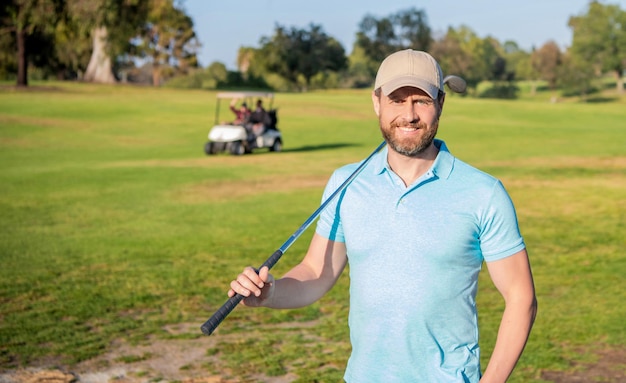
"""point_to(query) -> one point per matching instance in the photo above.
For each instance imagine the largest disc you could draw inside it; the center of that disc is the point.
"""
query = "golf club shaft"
(211, 324)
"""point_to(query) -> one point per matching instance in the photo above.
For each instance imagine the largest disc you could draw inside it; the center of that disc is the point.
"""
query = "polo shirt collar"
(442, 167)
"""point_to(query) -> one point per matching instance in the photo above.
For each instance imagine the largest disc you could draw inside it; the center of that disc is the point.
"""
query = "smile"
(409, 128)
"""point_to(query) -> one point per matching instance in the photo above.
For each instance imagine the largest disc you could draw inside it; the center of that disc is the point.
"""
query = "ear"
(442, 100)
(376, 102)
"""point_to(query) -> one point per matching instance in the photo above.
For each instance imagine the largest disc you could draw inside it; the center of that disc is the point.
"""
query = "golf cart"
(256, 130)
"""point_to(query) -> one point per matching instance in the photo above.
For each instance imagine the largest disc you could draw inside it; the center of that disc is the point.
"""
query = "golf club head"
(455, 83)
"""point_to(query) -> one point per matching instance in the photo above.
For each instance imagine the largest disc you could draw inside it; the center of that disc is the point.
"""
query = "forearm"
(517, 320)
(300, 287)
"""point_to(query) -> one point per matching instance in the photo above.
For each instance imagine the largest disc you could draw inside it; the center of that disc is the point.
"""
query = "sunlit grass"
(113, 222)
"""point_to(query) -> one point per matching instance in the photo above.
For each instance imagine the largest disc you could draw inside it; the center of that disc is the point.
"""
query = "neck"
(410, 169)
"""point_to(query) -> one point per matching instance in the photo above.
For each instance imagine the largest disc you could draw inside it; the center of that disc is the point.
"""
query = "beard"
(412, 147)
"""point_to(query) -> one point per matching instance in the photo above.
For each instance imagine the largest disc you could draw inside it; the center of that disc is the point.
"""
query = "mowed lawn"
(114, 224)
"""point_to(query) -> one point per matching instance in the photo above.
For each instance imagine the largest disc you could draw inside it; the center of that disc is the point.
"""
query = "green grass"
(113, 222)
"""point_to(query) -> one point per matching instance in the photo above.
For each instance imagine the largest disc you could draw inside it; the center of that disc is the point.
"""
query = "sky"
(223, 26)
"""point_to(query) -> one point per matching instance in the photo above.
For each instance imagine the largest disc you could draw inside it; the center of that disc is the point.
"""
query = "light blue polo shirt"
(414, 254)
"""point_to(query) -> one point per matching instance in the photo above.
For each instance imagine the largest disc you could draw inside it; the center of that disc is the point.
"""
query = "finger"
(248, 283)
(254, 277)
(237, 288)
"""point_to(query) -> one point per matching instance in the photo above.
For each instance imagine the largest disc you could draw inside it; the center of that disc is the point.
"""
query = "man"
(259, 118)
(415, 225)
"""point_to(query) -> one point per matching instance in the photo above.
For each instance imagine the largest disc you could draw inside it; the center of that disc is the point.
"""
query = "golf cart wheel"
(237, 148)
(277, 146)
(209, 148)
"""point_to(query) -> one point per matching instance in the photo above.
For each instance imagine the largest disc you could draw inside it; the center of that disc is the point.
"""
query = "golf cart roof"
(244, 94)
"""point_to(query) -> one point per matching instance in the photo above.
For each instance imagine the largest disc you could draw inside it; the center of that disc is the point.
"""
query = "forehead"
(407, 91)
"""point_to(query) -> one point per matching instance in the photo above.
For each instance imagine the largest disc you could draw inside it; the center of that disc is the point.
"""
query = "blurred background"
(562, 45)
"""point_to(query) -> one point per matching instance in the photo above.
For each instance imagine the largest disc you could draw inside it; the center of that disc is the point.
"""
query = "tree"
(301, 54)
(451, 56)
(413, 30)
(100, 67)
(546, 62)
(599, 38)
(245, 57)
(361, 70)
(24, 19)
(167, 41)
(378, 38)
(574, 76)
(515, 58)
(525, 70)
(111, 24)
(70, 49)
(463, 53)
(375, 37)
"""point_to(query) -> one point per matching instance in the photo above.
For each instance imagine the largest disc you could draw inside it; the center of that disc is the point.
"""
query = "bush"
(507, 90)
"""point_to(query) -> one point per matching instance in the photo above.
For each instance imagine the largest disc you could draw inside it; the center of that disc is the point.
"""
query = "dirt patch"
(243, 188)
(188, 361)
(607, 163)
(610, 367)
(171, 360)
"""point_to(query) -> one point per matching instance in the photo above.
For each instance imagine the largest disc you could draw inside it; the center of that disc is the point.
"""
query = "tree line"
(154, 41)
(95, 40)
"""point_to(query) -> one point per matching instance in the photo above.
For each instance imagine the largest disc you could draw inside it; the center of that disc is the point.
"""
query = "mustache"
(408, 124)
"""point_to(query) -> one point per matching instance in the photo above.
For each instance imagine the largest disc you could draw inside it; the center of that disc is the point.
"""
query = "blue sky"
(225, 25)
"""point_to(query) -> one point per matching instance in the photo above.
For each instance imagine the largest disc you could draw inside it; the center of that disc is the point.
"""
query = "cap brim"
(411, 81)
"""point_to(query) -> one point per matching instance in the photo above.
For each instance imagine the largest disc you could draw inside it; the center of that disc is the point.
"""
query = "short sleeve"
(329, 223)
(500, 235)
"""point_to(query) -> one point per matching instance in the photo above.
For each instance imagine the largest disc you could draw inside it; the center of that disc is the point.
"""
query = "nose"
(410, 113)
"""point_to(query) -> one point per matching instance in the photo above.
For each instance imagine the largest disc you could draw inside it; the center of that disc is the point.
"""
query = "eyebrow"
(404, 96)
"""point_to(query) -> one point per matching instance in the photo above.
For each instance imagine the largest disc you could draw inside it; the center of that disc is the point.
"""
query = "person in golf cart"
(242, 114)
(259, 119)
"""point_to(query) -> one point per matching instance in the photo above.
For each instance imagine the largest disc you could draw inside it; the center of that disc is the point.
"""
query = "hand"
(257, 288)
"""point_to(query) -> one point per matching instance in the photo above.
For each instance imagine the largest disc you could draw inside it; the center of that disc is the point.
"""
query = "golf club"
(211, 324)
(455, 83)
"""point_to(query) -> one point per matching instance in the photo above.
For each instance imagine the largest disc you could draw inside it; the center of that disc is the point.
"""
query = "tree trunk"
(156, 74)
(99, 68)
(22, 60)
(619, 81)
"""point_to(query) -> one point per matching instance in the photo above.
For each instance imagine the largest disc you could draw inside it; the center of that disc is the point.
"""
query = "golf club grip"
(271, 261)
(211, 324)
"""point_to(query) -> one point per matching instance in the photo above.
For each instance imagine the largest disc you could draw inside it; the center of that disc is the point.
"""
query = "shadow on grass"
(600, 99)
(30, 88)
(310, 148)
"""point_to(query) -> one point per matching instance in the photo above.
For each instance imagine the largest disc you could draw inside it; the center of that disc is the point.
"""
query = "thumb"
(265, 275)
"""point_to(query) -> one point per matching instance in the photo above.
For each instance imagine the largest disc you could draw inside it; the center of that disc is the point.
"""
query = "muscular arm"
(513, 279)
(304, 284)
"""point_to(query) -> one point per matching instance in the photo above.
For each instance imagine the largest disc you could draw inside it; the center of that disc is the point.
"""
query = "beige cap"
(410, 68)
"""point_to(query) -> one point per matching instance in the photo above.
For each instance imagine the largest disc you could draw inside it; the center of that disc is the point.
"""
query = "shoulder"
(465, 171)
(473, 184)
(452, 169)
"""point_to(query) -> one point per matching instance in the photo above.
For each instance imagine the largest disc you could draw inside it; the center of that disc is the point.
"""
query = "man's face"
(408, 119)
